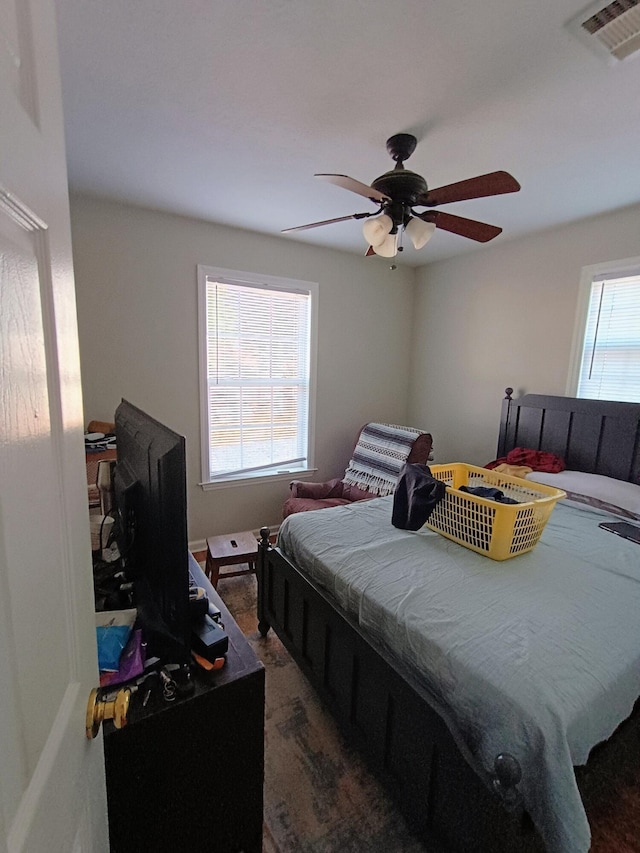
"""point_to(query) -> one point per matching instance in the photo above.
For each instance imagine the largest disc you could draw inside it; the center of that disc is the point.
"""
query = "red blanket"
(538, 460)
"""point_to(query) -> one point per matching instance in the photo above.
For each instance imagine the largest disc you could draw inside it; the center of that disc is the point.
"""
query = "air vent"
(612, 31)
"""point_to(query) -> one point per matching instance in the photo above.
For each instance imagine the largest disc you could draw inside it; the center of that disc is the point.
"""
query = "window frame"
(589, 275)
(265, 282)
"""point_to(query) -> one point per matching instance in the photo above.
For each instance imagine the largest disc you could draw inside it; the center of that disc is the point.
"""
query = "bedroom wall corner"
(501, 316)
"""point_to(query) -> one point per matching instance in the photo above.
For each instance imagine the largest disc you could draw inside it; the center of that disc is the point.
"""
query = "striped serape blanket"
(378, 457)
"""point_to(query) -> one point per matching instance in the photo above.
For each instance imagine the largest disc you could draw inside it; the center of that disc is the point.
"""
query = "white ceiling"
(225, 109)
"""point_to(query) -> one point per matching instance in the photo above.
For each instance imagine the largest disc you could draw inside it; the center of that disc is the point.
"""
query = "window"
(608, 333)
(257, 345)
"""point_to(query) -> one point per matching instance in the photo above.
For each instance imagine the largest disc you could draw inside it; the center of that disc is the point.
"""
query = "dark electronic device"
(622, 528)
(151, 511)
(209, 639)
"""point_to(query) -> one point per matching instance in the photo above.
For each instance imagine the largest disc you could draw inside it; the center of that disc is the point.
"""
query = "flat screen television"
(150, 494)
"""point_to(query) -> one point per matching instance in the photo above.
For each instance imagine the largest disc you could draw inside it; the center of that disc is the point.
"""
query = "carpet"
(320, 798)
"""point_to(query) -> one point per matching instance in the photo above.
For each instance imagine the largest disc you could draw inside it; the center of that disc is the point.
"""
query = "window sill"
(253, 479)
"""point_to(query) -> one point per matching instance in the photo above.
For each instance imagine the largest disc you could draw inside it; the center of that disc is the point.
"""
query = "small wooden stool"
(230, 550)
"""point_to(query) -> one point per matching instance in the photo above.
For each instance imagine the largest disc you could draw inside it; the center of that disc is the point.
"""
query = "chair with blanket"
(380, 452)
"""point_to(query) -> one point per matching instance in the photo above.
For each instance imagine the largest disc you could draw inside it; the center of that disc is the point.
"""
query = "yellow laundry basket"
(497, 530)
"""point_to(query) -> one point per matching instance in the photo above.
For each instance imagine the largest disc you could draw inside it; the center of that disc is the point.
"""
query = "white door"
(52, 791)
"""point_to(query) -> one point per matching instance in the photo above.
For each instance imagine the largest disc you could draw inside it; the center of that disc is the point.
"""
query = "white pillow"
(595, 490)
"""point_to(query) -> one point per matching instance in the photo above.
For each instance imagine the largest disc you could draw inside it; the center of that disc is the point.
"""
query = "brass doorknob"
(98, 709)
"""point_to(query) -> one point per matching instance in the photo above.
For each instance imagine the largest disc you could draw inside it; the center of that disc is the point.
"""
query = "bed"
(476, 740)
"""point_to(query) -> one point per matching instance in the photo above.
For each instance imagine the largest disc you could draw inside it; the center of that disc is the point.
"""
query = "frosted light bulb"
(377, 230)
(389, 248)
(419, 231)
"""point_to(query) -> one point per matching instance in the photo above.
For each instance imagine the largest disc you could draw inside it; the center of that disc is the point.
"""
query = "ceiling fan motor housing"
(401, 185)
(404, 188)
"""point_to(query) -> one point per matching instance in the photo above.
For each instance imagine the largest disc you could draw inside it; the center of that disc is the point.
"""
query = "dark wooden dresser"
(188, 775)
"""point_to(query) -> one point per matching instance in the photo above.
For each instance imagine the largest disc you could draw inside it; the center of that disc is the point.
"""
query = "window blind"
(610, 368)
(258, 377)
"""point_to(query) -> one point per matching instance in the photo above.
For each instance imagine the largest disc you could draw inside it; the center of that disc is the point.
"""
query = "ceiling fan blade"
(348, 183)
(326, 222)
(370, 251)
(495, 183)
(471, 228)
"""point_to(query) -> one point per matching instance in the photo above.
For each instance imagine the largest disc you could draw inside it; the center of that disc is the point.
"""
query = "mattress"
(538, 656)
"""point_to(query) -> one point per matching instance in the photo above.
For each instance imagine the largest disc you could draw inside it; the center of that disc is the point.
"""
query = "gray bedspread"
(538, 656)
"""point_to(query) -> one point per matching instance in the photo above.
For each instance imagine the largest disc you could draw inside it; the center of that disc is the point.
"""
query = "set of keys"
(173, 680)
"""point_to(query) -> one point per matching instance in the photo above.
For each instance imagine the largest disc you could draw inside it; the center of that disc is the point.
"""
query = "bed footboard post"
(261, 572)
(507, 774)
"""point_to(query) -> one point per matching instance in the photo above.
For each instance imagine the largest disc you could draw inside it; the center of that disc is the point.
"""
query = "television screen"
(151, 512)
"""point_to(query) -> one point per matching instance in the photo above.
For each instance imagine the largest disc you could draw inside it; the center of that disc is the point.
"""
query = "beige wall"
(136, 293)
(502, 316)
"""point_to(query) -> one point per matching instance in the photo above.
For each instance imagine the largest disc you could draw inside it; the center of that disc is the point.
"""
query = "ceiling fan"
(399, 191)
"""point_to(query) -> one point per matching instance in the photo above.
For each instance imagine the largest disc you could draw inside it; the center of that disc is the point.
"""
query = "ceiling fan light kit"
(399, 191)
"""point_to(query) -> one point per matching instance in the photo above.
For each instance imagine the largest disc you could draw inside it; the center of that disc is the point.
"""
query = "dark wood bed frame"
(378, 704)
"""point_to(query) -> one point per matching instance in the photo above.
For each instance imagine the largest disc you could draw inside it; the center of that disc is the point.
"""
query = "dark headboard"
(596, 436)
